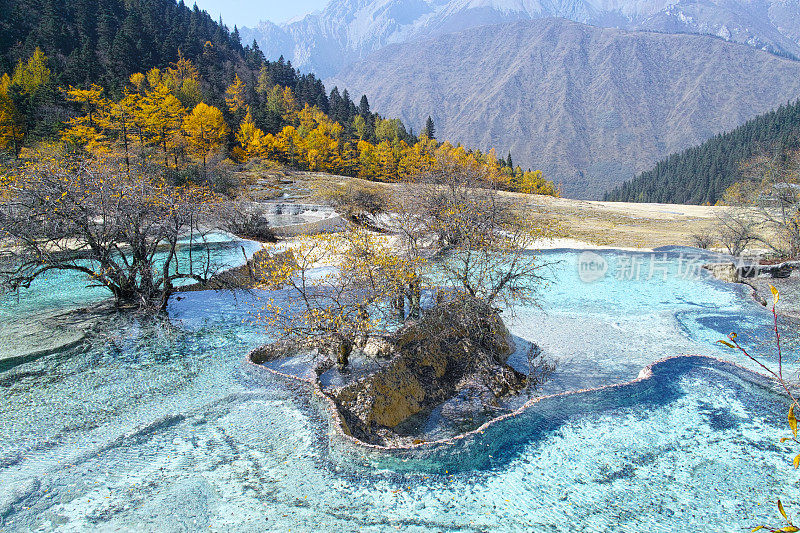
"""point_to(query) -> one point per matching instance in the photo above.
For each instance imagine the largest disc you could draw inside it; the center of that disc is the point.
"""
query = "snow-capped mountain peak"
(347, 30)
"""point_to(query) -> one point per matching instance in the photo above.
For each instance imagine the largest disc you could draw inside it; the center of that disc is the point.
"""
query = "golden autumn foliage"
(151, 113)
(138, 80)
(151, 116)
(32, 74)
(250, 138)
(183, 79)
(28, 76)
(280, 101)
(11, 133)
(205, 130)
(235, 96)
(314, 142)
(161, 115)
(85, 130)
(343, 304)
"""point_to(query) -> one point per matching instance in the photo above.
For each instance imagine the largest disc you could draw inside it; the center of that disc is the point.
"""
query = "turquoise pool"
(146, 426)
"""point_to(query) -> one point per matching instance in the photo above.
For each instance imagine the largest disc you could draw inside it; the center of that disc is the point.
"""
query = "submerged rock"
(459, 349)
(32, 336)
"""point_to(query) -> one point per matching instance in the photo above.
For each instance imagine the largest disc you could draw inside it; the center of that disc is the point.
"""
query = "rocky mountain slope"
(348, 30)
(589, 106)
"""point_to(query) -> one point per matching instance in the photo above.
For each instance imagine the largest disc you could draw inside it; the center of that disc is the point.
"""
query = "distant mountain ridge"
(591, 107)
(348, 30)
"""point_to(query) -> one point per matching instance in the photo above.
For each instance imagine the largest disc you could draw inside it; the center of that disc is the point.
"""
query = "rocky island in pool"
(453, 362)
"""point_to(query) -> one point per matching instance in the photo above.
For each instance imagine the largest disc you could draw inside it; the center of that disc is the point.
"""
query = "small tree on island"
(450, 234)
(92, 217)
(337, 307)
(477, 238)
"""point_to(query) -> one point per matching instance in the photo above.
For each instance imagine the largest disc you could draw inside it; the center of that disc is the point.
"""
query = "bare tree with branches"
(773, 187)
(90, 216)
(736, 229)
(479, 242)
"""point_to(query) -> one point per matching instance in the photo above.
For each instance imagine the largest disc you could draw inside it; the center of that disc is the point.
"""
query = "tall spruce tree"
(430, 130)
(363, 107)
(338, 111)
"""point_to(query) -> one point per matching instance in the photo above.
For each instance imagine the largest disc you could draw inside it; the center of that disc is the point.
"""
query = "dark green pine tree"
(349, 106)
(363, 107)
(337, 107)
(703, 173)
(430, 130)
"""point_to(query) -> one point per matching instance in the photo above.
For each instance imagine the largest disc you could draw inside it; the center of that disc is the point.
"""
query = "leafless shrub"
(476, 238)
(702, 240)
(247, 221)
(736, 229)
(774, 183)
(359, 203)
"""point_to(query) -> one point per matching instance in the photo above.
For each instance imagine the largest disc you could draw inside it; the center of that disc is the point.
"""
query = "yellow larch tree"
(282, 102)
(183, 69)
(386, 162)
(252, 141)
(153, 77)
(11, 127)
(28, 76)
(235, 96)
(284, 146)
(121, 119)
(32, 74)
(138, 80)
(86, 129)
(348, 157)
(183, 78)
(367, 161)
(205, 129)
(161, 114)
(360, 127)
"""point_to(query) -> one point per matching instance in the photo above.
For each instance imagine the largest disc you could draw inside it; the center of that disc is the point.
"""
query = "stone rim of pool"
(647, 373)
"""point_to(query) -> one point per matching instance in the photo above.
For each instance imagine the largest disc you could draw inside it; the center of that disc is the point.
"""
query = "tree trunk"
(345, 348)
(415, 299)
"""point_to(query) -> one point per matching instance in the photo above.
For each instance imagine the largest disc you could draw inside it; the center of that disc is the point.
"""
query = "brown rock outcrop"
(459, 348)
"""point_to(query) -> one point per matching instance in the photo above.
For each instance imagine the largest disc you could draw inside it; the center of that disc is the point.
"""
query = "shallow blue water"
(150, 427)
(67, 290)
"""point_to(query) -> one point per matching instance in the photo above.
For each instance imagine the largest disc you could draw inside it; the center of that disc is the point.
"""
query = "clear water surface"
(153, 427)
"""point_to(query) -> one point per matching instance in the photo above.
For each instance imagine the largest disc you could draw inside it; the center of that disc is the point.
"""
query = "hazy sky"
(250, 12)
